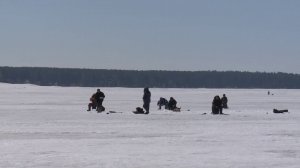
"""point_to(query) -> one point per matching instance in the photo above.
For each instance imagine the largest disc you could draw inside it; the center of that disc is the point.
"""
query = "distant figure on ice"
(96, 101)
(173, 105)
(147, 100)
(268, 92)
(162, 102)
(217, 105)
(224, 101)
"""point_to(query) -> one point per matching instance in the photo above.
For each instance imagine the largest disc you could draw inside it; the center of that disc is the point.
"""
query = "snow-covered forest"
(159, 79)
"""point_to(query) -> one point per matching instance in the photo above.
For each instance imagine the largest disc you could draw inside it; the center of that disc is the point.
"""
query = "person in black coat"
(93, 103)
(147, 100)
(217, 105)
(172, 103)
(224, 101)
(162, 102)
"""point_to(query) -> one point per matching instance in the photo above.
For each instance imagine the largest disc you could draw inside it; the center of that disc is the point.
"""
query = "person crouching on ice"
(96, 101)
(162, 102)
(217, 105)
(172, 105)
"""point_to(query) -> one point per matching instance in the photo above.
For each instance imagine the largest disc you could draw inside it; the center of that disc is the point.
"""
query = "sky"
(184, 35)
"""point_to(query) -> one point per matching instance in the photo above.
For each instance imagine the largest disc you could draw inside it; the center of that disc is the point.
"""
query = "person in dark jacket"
(96, 101)
(162, 102)
(224, 101)
(147, 100)
(217, 105)
(172, 103)
(92, 104)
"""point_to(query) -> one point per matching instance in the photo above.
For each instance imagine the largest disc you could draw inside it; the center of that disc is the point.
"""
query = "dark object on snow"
(115, 112)
(162, 102)
(280, 111)
(176, 109)
(100, 109)
(216, 105)
(139, 110)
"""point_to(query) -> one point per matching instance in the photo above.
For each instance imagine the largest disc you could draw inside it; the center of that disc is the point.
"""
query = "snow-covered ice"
(50, 127)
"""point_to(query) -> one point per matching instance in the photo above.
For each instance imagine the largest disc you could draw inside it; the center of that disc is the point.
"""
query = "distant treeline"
(158, 79)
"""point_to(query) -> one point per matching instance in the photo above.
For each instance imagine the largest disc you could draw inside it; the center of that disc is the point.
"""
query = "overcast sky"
(246, 35)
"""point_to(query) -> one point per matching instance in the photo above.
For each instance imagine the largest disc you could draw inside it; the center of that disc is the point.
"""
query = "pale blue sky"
(246, 35)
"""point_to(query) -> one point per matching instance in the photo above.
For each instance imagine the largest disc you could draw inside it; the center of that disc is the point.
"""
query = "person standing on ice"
(224, 100)
(147, 100)
(96, 101)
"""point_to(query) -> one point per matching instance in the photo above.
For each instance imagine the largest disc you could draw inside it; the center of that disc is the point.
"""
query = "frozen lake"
(49, 127)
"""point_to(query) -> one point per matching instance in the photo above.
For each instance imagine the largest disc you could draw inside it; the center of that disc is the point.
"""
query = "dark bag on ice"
(176, 109)
(139, 110)
(279, 111)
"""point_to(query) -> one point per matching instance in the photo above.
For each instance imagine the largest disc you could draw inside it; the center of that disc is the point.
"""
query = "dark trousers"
(99, 105)
(146, 107)
(217, 110)
(92, 105)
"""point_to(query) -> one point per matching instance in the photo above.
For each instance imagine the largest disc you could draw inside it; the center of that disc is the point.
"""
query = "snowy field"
(49, 127)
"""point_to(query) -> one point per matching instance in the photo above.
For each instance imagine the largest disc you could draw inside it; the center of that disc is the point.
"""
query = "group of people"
(169, 105)
(97, 99)
(218, 104)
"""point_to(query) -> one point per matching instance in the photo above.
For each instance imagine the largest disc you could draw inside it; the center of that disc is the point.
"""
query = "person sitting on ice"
(217, 105)
(162, 102)
(96, 101)
(92, 104)
(172, 104)
(224, 101)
